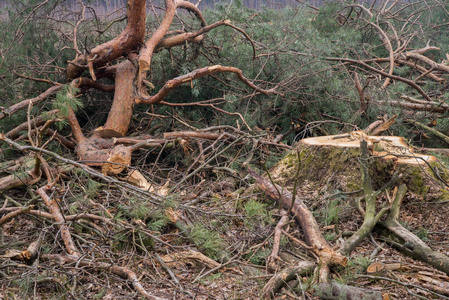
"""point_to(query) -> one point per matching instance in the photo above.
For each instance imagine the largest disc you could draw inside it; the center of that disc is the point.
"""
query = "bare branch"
(175, 82)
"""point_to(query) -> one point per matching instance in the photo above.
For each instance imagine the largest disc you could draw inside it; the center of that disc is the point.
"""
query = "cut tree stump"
(334, 160)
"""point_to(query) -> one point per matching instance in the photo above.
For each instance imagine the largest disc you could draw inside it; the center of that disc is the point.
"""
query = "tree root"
(281, 278)
(413, 246)
(277, 240)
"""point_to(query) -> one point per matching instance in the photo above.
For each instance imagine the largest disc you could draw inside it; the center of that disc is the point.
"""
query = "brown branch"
(211, 105)
(359, 88)
(246, 35)
(49, 216)
(90, 83)
(175, 82)
(384, 126)
(373, 125)
(146, 53)
(13, 214)
(407, 81)
(36, 122)
(189, 36)
(122, 106)
(179, 39)
(101, 266)
(309, 225)
(413, 245)
(411, 64)
(148, 196)
(281, 278)
(192, 8)
(61, 139)
(383, 36)
(20, 179)
(129, 39)
(6, 112)
(428, 61)
(37, 79)
(417, 106)
(271, 259)
(56, 212)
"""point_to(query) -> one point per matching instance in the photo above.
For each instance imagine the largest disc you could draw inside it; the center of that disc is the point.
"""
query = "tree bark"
(121, 111)
(130, 39)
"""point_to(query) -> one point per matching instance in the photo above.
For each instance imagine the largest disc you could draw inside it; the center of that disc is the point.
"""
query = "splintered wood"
(387, 147)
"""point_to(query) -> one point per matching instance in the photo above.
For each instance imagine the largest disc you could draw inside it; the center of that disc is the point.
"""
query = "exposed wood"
(384, 126)
(388, 147)
(195, 134)
(31, 252)
(146, 53)
(119, 159)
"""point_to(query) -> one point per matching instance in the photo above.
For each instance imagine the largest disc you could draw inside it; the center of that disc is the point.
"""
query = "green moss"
(340, 164)
(414, 178)
(444, 195)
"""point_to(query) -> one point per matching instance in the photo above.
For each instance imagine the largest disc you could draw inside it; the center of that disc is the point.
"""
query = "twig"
(407, 285)
(13, 214)
(203, 165)
(56, 212)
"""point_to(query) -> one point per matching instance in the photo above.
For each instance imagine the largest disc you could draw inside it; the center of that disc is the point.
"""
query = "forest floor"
(233, 224)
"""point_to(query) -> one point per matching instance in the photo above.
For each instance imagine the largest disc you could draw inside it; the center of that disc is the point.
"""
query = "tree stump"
(334, 160)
